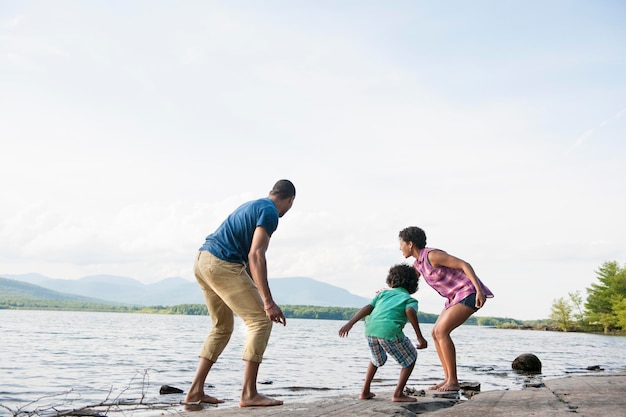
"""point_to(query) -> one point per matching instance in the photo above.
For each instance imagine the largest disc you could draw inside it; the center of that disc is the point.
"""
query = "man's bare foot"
(259, 400)
(437, 386)
(366, 395)
(403, 399)
(202, 398)
(449, 387)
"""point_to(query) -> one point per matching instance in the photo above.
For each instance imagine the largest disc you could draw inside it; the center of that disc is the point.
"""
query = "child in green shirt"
(388, 313)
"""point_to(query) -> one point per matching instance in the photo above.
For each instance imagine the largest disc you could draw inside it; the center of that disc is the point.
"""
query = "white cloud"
(131, 133)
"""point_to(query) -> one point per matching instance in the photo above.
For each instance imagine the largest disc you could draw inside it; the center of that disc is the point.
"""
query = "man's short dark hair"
(283, 189)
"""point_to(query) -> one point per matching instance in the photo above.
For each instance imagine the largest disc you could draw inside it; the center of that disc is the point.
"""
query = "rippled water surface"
(78, 358)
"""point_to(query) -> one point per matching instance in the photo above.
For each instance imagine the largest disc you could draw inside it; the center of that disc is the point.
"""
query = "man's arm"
(257, 267)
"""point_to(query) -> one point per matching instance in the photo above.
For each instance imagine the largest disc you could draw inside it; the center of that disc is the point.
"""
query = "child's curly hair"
(403, 275)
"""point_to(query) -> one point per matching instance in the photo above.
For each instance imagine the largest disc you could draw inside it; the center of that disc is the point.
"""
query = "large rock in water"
(527, 362)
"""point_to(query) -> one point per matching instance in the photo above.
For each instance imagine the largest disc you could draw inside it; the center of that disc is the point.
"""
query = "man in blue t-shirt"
(231, 270)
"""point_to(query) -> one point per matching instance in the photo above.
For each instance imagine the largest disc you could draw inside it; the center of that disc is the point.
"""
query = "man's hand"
(275, 314)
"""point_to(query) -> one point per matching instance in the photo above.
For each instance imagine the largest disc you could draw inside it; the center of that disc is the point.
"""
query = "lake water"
(72, 359)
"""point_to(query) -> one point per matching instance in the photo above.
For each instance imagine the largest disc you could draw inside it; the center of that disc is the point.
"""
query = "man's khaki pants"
(228, 288)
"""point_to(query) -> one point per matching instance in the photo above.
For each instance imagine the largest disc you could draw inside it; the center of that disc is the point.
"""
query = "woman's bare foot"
(403, 399)
(202, 398)
(366, 395)
(259, 400)
(449, 387)
(437, 386)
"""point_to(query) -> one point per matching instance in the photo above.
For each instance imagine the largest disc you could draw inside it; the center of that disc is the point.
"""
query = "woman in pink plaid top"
(454, 279)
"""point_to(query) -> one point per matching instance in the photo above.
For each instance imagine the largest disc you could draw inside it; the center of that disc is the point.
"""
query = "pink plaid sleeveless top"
(451, 284)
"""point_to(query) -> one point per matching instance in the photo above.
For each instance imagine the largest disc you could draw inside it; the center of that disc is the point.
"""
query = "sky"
(130, 129)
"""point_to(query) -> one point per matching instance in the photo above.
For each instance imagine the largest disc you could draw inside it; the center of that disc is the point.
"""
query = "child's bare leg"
(398, 395)
(366, 393)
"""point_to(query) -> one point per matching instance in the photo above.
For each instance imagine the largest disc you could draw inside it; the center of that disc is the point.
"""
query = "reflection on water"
(85, 358)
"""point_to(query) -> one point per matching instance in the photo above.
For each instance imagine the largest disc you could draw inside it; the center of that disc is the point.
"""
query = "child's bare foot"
(367, 395)
(449, 387)
(259, 400)
(437, 386)
(403, 399)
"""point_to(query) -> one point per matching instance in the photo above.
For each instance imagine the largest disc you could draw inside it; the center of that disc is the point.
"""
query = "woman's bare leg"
(449, 320)
(441, 357)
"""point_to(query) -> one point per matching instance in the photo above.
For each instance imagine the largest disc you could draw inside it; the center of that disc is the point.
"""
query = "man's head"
(282, 194)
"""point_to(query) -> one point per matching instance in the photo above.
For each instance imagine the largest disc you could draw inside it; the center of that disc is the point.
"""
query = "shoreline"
(589, 395)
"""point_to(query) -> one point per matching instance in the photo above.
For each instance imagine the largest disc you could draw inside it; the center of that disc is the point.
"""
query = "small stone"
(166, 389)
(414, 392)
(470, 386)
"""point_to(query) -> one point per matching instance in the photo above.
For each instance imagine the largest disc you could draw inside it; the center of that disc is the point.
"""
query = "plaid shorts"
(400, 348)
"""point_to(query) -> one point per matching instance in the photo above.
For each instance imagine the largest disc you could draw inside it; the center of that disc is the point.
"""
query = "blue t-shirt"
(388, 318)
(232, 240)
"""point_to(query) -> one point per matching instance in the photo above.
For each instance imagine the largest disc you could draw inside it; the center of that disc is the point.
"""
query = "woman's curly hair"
(414, 234)
(404, 276)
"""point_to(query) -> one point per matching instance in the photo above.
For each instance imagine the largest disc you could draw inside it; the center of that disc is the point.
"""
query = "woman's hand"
(480, 298)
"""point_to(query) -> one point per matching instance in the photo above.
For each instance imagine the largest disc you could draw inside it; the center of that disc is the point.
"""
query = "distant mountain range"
(169, 291)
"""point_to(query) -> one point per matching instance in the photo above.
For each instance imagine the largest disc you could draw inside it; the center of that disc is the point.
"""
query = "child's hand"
(343, 332)
(421, 343)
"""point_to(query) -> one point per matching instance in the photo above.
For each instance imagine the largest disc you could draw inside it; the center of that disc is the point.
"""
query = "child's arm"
(412, 316)
(365, 311)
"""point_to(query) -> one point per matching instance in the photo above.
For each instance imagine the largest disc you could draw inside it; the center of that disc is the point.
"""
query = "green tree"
(619, 308)
(577, 303)
(561, 313)
(604, 297)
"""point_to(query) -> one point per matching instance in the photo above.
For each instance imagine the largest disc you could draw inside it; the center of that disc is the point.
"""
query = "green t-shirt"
(389, 317)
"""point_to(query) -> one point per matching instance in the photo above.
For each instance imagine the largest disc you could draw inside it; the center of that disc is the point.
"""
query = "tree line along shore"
(290, 311)
(603, 310)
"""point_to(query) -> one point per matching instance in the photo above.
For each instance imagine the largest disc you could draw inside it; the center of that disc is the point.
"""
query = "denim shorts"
(470, 301)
